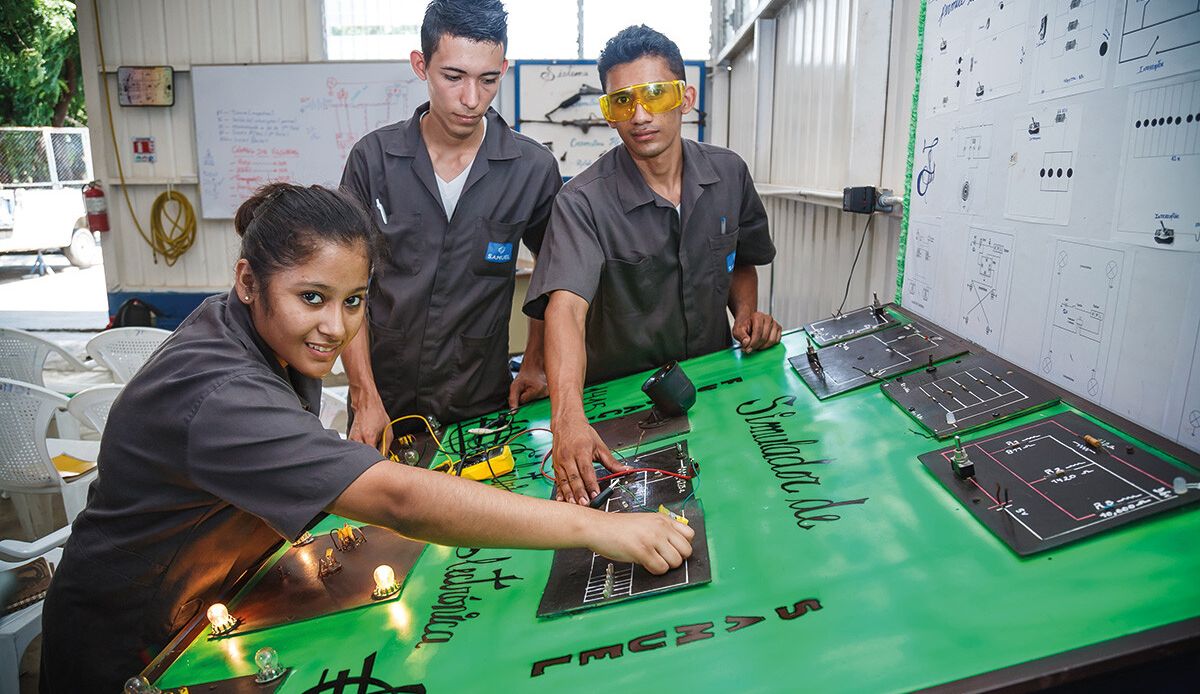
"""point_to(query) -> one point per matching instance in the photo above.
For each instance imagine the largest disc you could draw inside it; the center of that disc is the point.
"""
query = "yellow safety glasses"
(655, 97)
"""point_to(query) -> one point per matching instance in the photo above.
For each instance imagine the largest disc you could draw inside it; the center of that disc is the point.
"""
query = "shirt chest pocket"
(494, 248)
(632, 287)
(722, 252)
(404, 240)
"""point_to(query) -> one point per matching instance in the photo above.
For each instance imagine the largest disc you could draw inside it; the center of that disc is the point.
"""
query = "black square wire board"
(969, 392)
(1059, 480)
(581, 579)
(861, 321)
(871, 358)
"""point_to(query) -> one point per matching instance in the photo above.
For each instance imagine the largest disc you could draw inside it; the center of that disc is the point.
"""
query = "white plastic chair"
(333, 405)
(23, 356)
(27, 455)
(91, 406)
(18, 629)
(125, 350)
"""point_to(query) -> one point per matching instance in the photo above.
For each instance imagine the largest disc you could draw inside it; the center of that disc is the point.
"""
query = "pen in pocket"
(383, 215)
(722, 226)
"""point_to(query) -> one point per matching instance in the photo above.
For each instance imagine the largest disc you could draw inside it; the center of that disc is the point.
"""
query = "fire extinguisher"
(96, 206)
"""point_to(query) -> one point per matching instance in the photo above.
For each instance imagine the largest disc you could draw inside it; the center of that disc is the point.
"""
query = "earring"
(247, 297)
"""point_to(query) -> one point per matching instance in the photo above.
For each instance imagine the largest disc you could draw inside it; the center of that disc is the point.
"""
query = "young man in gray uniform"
(454, 191)
(645, 251)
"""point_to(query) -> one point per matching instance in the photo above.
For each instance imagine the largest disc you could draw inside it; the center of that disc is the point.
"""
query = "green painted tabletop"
(912, 591)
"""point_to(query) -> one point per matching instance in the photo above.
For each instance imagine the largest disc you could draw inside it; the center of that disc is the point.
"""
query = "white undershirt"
(451, 191)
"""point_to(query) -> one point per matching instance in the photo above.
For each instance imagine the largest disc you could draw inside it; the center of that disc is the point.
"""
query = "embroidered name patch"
(500, 252)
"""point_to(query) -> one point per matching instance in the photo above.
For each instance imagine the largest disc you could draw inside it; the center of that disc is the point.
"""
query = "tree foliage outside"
(40, 81)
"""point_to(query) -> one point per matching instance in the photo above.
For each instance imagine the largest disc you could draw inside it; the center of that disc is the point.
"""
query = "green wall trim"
(908, 168)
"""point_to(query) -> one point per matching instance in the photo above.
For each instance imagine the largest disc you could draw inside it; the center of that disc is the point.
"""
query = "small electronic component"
(140, 685)
(1181, 486)
(328, 565)
(814, 361)
(347, 537)
(960, 463)
(269, 669)
(304, 539)
(609, 578)
(220, 620)
(672, 515)
(1093, 441)
(386, 584)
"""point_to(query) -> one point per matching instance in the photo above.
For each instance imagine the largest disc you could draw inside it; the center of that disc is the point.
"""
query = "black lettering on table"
(694, 632)
(539, 668)
(803, 507)
(643, 643)
(741, 622)
(799, 609)
(613, 651)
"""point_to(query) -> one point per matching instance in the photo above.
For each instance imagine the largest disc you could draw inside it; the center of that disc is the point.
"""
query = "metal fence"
(44, 157)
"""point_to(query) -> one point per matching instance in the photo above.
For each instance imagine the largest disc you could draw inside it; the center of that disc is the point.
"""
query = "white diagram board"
(1062, 273)
(289, 122)
(1158, 204)
(1158, 39)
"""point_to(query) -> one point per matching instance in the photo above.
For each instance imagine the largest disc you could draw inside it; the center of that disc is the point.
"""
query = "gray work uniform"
(657, 285)
(439, 308)
(212, 454)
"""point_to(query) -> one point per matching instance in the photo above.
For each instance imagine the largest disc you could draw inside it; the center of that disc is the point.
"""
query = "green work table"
(864, 575)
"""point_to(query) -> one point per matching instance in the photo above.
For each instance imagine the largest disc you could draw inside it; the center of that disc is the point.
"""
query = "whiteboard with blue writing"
(558, 105)
(292, 122)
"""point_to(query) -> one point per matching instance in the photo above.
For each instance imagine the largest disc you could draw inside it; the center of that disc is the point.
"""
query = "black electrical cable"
(852, 265)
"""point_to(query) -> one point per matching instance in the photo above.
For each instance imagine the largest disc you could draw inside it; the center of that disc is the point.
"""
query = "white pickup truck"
(41, 203)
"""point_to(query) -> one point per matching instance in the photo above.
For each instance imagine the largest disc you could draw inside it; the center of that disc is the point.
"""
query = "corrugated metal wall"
(178, 33)
(834, 122)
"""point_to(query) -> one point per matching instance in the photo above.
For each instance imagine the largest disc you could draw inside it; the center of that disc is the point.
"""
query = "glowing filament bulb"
(220, 619)
(385, 581)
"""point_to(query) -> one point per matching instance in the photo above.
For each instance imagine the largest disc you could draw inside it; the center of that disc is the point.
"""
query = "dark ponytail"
(282, 225)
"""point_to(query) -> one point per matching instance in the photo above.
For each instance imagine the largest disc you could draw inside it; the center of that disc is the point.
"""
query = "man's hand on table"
(576, 446)
(756, 331)
(530, 384)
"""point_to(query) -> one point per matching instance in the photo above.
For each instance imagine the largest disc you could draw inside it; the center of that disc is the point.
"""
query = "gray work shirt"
(657, 285)
(440, 307)
(211, 455)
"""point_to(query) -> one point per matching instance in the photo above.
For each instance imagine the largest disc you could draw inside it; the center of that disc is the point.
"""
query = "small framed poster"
(146, 86)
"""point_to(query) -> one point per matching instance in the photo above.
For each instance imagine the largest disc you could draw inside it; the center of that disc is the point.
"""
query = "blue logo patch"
(498, 252)
(729, 261)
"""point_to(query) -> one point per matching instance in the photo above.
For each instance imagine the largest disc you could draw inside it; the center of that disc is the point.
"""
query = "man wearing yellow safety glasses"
(645, 252)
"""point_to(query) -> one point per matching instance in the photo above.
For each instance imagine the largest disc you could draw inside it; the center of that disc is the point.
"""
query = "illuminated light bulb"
(267, 661)
(140, 685)
(385, 582)
(222, 622)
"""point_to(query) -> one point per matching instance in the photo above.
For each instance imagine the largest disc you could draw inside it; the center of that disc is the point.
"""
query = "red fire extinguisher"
(96, 205)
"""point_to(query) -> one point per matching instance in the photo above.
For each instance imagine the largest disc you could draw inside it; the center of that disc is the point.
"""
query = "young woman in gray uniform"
(214, 453)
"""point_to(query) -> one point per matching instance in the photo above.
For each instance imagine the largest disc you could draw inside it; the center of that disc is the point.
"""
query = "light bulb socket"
(386, 591)
(265, 676)
(223, 628)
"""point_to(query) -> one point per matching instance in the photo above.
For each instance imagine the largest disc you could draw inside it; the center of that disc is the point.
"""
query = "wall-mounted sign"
(143, 150)
(146, 86)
